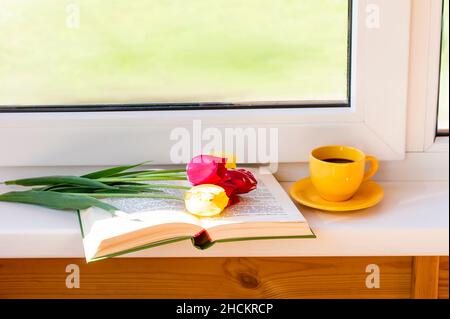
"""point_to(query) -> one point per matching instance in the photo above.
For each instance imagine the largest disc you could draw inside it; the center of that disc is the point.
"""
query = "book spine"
(202, 240)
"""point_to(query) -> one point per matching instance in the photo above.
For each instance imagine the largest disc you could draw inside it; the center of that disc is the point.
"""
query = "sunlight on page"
(268, 203)
(265, 212)
(101, 230)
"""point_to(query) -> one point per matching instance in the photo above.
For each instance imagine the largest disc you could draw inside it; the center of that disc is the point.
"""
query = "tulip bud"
(206, 169)
(231, 159)
(241, 180)
(206, 200)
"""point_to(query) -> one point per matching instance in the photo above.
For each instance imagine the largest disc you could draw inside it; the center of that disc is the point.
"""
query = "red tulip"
(206, 169)
(239, 181)
(229, 187)
(230, 190)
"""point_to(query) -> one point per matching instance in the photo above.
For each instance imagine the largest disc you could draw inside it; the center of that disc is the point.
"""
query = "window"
(366, 104)
(443, 118)
(88, 52)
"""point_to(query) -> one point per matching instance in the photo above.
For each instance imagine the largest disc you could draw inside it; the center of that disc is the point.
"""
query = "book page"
(141, 221)
(137, 213)
(268, 203)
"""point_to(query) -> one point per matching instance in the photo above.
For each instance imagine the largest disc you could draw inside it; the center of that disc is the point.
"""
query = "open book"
(265, 213)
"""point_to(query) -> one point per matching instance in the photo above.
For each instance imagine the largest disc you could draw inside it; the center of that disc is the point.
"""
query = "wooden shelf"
(280, 277)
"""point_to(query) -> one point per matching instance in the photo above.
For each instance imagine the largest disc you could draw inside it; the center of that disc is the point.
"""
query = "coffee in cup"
(338, 171)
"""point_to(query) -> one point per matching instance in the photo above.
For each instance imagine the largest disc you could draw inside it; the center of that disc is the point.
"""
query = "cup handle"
(372, 169)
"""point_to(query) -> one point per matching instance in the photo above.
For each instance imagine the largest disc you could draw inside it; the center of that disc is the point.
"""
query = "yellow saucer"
(368, 195)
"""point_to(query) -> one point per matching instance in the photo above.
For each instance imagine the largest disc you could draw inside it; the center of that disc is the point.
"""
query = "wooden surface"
(443, 278)
(328, 277)
(425, 278)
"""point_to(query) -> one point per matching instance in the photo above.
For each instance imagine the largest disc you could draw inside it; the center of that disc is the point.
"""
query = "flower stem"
(99, 195)
(141, 179)
(155, 172)
(165, 171)
(157, 186)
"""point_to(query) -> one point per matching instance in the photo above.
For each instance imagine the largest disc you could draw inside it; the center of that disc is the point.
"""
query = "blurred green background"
(172, 51)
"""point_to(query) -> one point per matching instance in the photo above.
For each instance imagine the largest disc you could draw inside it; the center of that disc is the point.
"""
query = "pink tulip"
(206, 169)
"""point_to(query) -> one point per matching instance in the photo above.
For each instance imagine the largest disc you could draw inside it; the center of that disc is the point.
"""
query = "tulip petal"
(206, 200)
(241, 180)
(206, 169)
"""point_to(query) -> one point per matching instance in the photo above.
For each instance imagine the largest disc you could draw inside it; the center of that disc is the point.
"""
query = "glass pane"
(92, 51)
(443, 95)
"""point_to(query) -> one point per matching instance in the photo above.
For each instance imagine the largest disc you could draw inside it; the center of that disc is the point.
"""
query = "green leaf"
(54, 180)
(131, 173)
(72, 189)
(56, 200)
(112, 171)
(60, 187)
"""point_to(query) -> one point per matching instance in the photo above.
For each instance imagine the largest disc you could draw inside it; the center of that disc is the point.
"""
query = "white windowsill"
(412, 220)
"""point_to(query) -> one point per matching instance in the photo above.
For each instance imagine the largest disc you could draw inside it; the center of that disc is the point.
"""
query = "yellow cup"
(338, 171)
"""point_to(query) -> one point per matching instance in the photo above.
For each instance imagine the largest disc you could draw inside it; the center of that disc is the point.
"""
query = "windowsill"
(412, 220)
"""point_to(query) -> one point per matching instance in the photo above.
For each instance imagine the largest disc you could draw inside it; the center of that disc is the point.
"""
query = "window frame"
(441, 132)
(425, 69)
(375, 120)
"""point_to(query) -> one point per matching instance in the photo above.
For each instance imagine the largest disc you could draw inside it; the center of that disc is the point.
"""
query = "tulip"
(206, 169)
(206, 200)
(230, 159)
(241, 181)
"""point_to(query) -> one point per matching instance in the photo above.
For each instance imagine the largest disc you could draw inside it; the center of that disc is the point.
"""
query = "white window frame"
(375, 122)
(425, 69)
